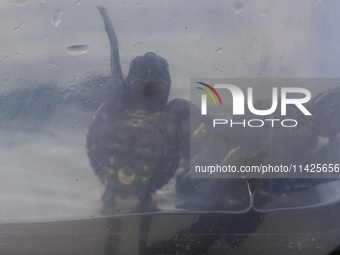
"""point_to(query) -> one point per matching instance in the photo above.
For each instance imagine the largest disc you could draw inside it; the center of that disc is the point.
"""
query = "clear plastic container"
(119, 182)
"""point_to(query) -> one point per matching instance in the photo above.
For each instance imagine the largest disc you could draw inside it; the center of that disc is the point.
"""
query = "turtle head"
(148, 83)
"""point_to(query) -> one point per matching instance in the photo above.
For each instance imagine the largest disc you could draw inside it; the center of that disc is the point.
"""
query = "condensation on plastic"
(55, 74)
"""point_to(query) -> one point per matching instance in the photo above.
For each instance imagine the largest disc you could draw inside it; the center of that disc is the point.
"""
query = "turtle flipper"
(116, 69)
(116, 97)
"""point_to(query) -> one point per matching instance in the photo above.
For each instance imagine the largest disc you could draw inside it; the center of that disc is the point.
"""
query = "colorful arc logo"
(208, 92)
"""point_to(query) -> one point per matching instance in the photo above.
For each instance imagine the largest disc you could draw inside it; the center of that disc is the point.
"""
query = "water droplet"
(71, 83)
(176, 18)
(238, 7)
(16, 29)
(57, 18)
(53, 65)
(77, 49)
(219, 50)
(264, 12)
(78, 2)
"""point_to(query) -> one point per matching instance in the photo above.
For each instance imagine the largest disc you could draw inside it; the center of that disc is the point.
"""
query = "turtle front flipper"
(116, 96)
(116, 69)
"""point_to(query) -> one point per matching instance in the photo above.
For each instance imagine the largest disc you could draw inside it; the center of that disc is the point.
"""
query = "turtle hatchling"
(135, 140)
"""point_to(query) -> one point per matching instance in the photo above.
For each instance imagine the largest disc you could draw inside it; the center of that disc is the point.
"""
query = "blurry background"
(54, 64)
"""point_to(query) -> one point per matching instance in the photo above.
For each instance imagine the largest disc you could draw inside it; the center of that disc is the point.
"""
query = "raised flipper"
(115, 101)
(116, 70)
